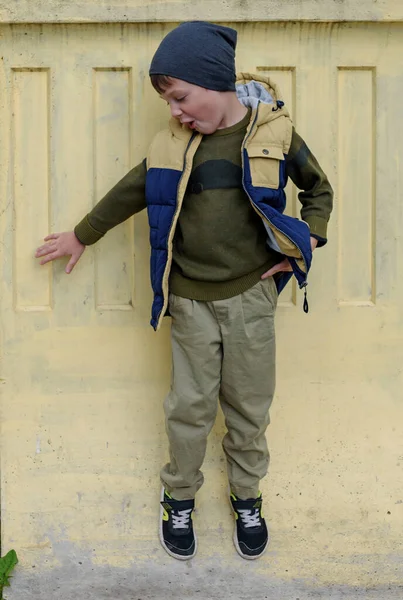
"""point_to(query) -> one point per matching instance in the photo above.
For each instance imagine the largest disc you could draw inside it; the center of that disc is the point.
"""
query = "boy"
(221, 250)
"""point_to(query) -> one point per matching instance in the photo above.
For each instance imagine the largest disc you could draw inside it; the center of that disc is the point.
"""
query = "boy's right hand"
(61, 244)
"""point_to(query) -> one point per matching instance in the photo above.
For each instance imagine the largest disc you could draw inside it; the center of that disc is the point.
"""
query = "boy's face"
(197, 107)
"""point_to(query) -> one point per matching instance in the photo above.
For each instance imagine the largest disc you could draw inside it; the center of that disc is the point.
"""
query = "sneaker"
(250, 535)
(176, 527)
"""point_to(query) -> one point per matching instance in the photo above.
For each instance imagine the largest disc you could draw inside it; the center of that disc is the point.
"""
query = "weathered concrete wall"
(105, 11)
(83, 374)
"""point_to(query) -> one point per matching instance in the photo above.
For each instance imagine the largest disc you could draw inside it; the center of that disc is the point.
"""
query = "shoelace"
(180, 518)
(250, 519)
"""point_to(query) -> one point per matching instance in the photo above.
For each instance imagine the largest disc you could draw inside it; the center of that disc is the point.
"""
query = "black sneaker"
(250, 535)
(176, 527)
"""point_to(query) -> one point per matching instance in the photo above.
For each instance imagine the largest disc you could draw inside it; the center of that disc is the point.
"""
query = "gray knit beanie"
(200, 53)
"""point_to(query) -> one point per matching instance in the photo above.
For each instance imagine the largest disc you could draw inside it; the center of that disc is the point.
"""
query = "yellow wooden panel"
(31, 131)
(112, 152)
(356, 201)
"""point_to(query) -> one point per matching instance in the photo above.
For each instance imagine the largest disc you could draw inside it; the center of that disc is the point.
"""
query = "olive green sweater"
(220, 245)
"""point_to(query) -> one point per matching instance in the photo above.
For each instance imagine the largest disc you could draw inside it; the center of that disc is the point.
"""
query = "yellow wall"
(84, 375)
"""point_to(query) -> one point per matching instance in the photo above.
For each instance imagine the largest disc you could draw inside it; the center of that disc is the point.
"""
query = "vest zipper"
(263, 216)
(167, 266)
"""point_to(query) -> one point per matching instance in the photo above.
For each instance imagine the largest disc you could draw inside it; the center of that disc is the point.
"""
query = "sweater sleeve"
(316, 196)
(125, 199)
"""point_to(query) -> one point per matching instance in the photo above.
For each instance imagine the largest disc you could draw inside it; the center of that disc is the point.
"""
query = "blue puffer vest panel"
(267, 141)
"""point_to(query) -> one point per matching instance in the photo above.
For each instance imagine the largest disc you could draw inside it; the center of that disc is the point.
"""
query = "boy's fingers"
(268, 273)
(49, 258)
(72, 263)
(283, 266)
(43, 250)
(51, 236)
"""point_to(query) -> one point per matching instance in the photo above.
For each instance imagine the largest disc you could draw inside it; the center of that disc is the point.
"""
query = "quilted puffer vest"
(267, 141)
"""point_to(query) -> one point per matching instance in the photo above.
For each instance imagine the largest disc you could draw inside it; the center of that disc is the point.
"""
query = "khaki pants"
(222, 349)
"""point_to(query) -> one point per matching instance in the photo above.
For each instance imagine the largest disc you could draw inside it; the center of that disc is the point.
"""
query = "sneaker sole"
(246, 556)
(177, 556)
(236, 543)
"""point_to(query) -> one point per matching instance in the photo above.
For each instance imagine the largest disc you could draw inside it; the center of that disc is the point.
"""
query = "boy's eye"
(178, 99)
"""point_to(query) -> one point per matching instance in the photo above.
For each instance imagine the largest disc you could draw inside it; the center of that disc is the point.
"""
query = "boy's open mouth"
(191, 124)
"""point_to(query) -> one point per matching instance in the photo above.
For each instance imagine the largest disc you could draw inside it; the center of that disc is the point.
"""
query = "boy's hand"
(285, 265)
(61, 244)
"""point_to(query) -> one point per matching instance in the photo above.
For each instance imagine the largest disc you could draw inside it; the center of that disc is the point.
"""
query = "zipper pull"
(305, 305)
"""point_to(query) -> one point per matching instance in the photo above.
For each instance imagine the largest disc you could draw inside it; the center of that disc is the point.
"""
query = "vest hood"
(252, 89)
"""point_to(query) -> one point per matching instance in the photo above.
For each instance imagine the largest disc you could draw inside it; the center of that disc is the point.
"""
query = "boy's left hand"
(285, 265)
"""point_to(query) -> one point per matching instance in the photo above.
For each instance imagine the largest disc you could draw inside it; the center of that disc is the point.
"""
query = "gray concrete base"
(160, 578)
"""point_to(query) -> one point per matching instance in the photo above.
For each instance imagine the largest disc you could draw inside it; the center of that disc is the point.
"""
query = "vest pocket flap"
(265, 151)
(265, 173)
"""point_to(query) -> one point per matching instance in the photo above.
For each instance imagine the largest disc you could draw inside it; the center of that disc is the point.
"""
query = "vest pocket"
(265, 161)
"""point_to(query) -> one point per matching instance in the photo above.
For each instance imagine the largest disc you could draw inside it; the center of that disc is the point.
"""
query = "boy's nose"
(175, 111)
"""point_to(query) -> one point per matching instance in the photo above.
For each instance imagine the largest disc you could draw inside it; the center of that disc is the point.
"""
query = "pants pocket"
(269, 289)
